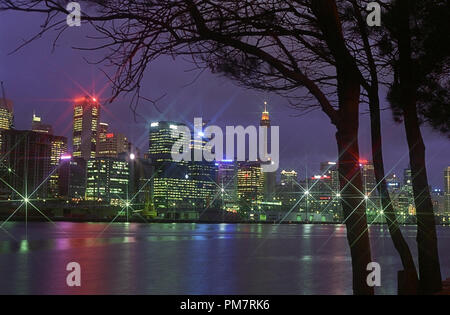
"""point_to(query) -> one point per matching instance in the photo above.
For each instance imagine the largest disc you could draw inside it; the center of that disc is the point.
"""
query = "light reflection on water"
(192, 258)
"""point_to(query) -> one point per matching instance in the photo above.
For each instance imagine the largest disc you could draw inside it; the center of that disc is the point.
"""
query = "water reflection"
(192, 258)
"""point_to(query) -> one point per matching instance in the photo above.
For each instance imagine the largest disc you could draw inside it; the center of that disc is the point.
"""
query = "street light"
(132, 156)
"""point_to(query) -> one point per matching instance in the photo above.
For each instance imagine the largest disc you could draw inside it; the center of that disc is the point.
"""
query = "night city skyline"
(66, 76)
(225, 155)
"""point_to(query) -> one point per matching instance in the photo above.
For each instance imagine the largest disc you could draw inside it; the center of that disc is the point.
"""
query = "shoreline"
(153, 221)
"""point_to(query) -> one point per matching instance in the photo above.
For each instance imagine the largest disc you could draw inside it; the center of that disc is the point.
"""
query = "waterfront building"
(180, 190)
(107, 180)
(269, 178)
(72, 178)
(29, 162)
(250, 185)
(227, 179)
(6, 114)
(112, 145)
(288, 178)
(86, 114)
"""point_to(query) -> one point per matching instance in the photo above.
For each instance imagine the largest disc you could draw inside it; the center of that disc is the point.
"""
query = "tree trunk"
(354, 210)
(429, 269)
(408, 284)
(353, 204)
(348, 86)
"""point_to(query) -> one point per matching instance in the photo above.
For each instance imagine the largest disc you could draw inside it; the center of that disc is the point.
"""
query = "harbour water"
(185, 258)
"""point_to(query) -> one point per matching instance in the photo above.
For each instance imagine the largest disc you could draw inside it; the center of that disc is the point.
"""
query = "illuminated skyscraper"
(161, 140)
(86, 112)
(250, 184)
(112, 145)
(6, 114)
(227, 181)
(58, 149)
(268, 177)
(107, 180)
(6, 117)
(179, 189)
(289, 178)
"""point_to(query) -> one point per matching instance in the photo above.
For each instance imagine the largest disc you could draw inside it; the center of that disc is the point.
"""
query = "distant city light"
(66, 157)
(201, 134)
(154, 124)
(307, 192)
(132, 156)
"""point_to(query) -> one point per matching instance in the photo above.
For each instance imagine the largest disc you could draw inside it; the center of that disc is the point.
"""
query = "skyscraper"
(107, 180)
(6, 114)
(58, 148)
(86, 112)
(179, 189)
(112, 145)
(269, 178)
(250, 184)
(28, 161)
(6, 117)
(227, 181)
(72, 178)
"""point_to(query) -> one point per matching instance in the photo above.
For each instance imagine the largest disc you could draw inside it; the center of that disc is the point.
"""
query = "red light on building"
(109, 135)
(362, 161)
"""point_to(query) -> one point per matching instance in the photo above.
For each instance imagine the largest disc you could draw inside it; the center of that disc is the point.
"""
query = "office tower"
(72, 178)
(289, 191)
(407, 181)
(6, 114)
(103, 130)
(368, 177)
(112, 145)
(86, 112)
(227, 180)
(446, 191)
(38, 126)
(393, 183)
(269, 178)
(179, 189)
(250, 184)
(141, 174)
(330, 169)
(107, 180)
(289, 178)
(28, 161)
(58, 149)
(161, 140)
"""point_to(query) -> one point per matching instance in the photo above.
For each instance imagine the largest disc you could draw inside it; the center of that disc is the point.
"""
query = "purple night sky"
(37, 79)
